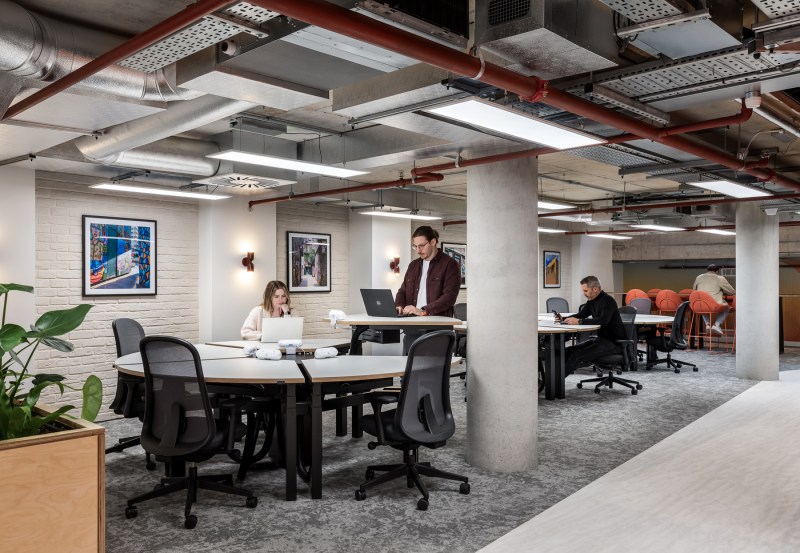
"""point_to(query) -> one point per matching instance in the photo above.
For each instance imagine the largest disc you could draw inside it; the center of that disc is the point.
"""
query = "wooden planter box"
(53, 490)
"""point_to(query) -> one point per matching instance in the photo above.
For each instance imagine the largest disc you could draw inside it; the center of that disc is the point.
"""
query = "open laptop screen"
(281, 328)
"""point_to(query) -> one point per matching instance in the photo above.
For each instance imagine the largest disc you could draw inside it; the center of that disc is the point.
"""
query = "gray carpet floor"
(580, 439)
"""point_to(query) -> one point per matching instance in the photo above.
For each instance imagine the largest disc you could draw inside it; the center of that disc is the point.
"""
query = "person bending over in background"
(276, 303)
(716, 285)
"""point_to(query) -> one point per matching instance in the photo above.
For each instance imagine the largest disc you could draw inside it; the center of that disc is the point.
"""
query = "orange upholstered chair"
(667, 302)
(685, 293)
(701, 303)
(634, 293)
(652, 293)
(732, 303)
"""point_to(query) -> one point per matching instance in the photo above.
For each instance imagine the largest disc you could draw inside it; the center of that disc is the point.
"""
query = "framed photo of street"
(119, 256)
(309, 261)
(459, 253)
(552, 269)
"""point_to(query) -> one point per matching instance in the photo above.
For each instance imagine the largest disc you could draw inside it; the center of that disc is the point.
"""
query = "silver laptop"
(281, 328)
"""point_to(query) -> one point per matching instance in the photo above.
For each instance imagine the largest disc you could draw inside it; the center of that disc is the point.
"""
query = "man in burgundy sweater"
(431, 284)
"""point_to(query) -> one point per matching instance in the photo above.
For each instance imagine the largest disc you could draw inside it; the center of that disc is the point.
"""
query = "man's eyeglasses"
(418, 247)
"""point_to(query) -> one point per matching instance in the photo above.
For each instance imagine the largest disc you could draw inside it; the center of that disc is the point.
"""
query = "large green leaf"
(44, 377)
(37, 421)
(59, 344)
(6, 288)
(56, 323)
(92, 398)
(11, 336)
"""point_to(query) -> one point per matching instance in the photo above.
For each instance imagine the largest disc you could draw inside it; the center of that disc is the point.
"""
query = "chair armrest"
(376, 400)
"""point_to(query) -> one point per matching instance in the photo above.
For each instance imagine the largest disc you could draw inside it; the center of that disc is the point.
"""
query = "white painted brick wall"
(173, 311)
(313, 306)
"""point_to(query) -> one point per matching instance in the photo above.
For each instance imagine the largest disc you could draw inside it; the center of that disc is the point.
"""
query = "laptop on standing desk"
(281, 328)
(380, 303)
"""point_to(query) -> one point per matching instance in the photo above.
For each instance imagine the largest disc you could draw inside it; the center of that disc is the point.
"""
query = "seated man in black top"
(601, 309)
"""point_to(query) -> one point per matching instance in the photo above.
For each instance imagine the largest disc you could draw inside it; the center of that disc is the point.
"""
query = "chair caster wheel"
(372, 445)
(235, 456)
(131, 511)
(634, 392)
(157, 487)
(580, 385)
(369, 475)
(422, 504)
(251, 502)
(190, 522)
(597, 390)
(464, 488)
(677, 371)
(638, 386)
(150, 465)
(695, 369)
(361, 495)
(678, 365)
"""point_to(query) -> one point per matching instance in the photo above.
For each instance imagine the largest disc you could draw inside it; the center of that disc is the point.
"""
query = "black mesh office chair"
(179, 424)
(129, 398)
(422, 418)
(460, 312)
(557, 304)
(618, 361)
(643, 306)
(676, 339)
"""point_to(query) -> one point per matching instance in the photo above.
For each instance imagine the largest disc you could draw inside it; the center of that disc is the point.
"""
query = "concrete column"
(502, 238)
(756, 293)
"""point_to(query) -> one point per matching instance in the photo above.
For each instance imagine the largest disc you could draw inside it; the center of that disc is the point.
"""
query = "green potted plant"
(52, 464)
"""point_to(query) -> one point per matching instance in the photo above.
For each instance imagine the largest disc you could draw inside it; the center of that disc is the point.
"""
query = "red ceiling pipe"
(433, 177)
(354, 25)
(139, 42)
(418, 171)
(741, 117)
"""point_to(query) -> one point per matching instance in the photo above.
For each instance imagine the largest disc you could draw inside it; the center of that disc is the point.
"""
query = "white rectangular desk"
(310, 345)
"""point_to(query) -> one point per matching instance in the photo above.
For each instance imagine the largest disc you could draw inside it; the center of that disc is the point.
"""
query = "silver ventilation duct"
(171, 155)
(176, 119)
(36, 47)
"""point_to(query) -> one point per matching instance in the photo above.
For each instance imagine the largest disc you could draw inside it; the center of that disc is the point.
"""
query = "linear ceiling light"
(551, 230)
(158, 191)
(658, 227)
(283, 163)
(553, 205)
(717, 231)
(730, 188)
(611, 236)
(513, 123)
(397, 215)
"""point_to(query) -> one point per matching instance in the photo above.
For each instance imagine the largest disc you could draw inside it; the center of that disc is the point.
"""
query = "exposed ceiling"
(249, 78)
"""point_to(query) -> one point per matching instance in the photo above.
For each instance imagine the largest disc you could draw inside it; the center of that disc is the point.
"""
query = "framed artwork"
(119, 256)
(308, 257)
(459, 253)
(552, 269)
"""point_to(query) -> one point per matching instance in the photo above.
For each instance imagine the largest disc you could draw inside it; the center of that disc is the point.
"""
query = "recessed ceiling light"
(611, 236)
(717, 231)
(730, 188)
(658, 227)
(514, 123)
(554, 205)
(159, 191)
(283, 163)
(551, 230)
(397, 215)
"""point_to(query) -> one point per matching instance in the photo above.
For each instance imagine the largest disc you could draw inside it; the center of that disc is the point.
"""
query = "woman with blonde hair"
(276, 303)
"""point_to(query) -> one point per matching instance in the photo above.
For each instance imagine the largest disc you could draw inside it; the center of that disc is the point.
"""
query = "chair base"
(674, 364)
(131, 441)
(191, 483)
(609, 380)
(411, 470)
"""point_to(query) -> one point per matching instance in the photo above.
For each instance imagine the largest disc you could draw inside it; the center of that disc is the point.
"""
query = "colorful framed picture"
(309, 261)
(552, 269)
(119, 256)
(459, 253)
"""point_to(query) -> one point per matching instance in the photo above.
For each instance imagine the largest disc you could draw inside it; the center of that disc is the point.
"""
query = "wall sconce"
(394, 265)
(247, 261)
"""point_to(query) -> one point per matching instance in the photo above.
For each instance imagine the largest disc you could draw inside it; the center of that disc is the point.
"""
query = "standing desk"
(554, 387)
(362, 322)
(225, 365)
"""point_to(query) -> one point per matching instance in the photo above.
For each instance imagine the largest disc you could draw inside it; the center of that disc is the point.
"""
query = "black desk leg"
(316, 441)
(355, 339)
(357, 412)
(291, 443)
(341, 419)
(562, 376)
(550, 372)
